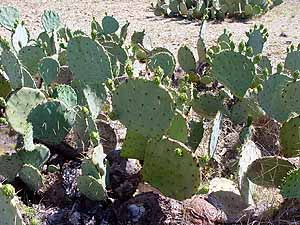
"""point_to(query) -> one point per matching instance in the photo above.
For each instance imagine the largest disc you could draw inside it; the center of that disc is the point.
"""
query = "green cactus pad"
(291, 97)
(143, 107)
(5, 88)
(265, 63)
(186, 59)
(49, 70)
(234, 70)
(10, 166)
(171, 167)
(51, 121)
(30, 57)
(270, 98)
(66, 94)
(134, 146)
(50, 20)
(117, 51)
(238, 113)
(289, 137)
(10, 214)
(19, 105)
(163, 60)
(196, 134)
(28, 80)
(249, 153)
(110, 25)
(89, 169)
(291, 185)
(37, 157)
(207, 105)
(88, 60)
(292, 61)
(12, 68)
(178, 129)
(256, 40)
(20, 37)
(32, 177)
(269, 171)
(8, 17)
(91, 188)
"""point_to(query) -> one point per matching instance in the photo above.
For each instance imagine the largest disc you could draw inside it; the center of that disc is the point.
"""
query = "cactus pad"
(51, 121)
(171, 167)
(20, 37)
(289, 137)
(270, 98)
(37, 157)
(292, 61)
(89, 169)
(178, 129)
(268, 171)
(32, 177)
(134, 146)
(50, 20)
(186, 59)
(66, 94)
(5, 88)
(291, 97)
(10, 214)
(143, 107)
(88, 60)
(30, 57)
(164, 60)
(196, 134)
(234, 70)
(91, 188)
(12, 68)
(257, 39)
(8, 16)
(291, 185)
(10, 166)
(238, 113)
(110, 25)
(19, 105)
(207, 105)
(48, 70)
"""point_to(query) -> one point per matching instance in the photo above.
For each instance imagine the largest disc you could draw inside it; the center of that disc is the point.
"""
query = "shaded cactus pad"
(143, 107)
(291, 185)
(172, 168)
(91, 188)
(32, 177)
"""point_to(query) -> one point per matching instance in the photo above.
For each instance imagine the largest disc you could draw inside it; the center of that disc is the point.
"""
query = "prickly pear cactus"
(37, 157)
(292, 61)
(164, 60)
(30, 57)
(5, 88)
(269, 171)
(257, 38)
(234, 70)
(178, 129)
(289, 137)
(110, 25)
(19, 105)
(32, 177)
(143, 107)
(51, 121)
(89, 169)
(20, 37)
(49, 70)
(88, 60)
(172, 168)
(91, 188)
(249, 153)
(238, 113)
(65, 94)
(12, 68)
(291, 97)
(186, 59)
(50, 21)
(291, 185)
(270, 98)
(10, 214)
(10, 166)
(207, 105)
(196, 131)
(9, 17)
(134, 146)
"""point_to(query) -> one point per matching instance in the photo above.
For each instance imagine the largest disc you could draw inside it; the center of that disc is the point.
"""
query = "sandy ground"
(281, 22)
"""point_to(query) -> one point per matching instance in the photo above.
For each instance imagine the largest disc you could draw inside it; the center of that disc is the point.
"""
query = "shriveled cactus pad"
(291, 185)
(172, 168)
(143, 107)
(289, 137)
(234, 70)
(269, 171)
(19, 105)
